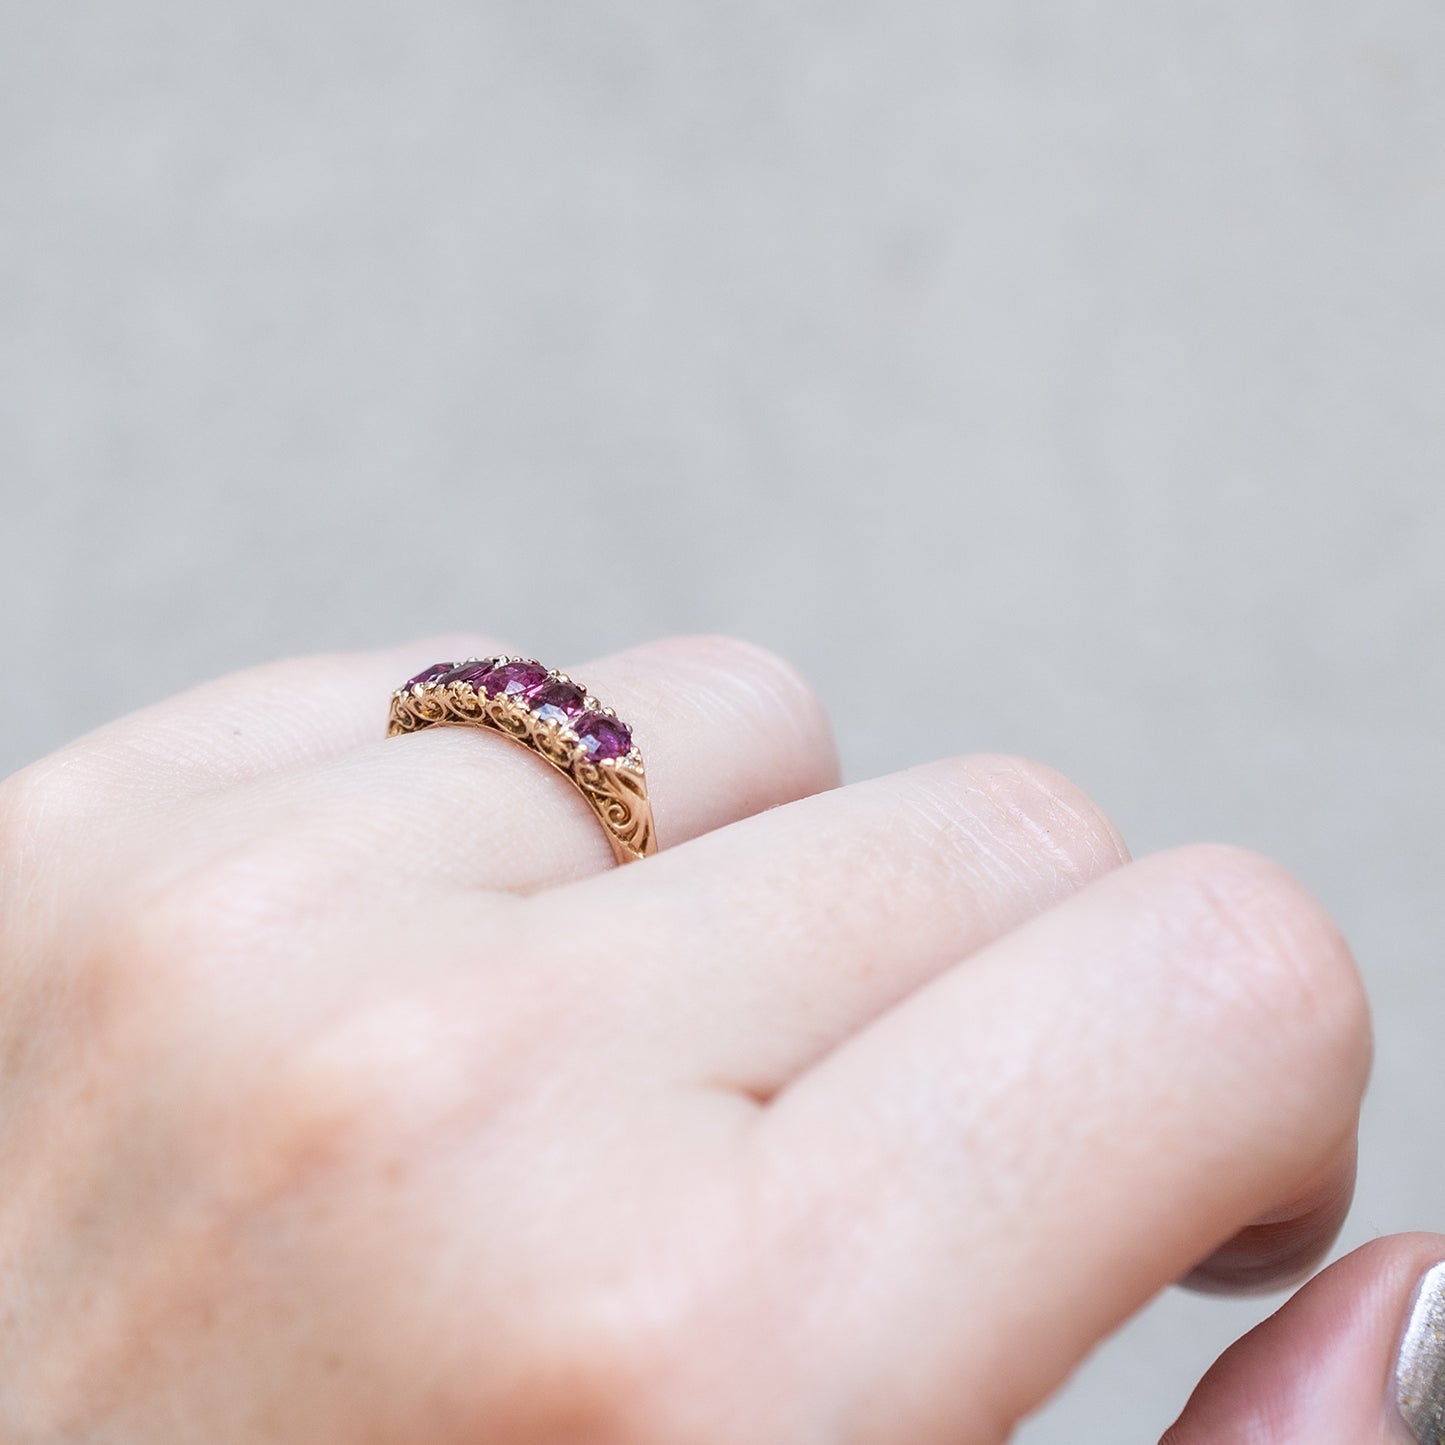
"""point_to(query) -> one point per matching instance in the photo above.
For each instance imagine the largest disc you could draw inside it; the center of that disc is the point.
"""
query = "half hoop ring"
(555, 718)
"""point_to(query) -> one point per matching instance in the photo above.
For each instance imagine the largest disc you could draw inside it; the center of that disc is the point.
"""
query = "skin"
(353, 1096)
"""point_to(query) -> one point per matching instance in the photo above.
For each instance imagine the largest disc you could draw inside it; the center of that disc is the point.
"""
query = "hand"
(352, 1095)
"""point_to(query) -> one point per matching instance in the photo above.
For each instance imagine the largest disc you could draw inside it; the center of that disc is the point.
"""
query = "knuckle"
(364, 1089)
(255, 885)
(1057, 816)
(1023, 816)
(376, 1078)
(749, 658)
(248, 900)
(772, 686)
(1260, 939)
(583, 1376)
(630, 1354)
(734, 654)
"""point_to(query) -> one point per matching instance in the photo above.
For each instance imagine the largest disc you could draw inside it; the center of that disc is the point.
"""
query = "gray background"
(1070, 373)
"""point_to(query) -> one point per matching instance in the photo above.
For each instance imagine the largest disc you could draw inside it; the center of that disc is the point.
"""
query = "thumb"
(1356, 1357)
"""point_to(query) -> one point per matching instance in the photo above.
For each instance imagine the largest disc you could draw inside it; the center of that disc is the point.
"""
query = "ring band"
(555, 718)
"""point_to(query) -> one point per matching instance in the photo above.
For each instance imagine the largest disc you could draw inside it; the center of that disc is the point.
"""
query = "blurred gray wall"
(1062, 378)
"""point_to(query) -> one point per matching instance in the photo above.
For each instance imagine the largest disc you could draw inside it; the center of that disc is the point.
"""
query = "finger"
(1285, 1244)
(725, 729)
(817, 917)
(785, 933)
(1337, 1364)
(998, 1171)
(250, 724)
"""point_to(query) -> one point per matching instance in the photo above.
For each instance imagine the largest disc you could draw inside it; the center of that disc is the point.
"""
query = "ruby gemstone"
(435, 673)
(603, 737)
(471, 672)
(557, 702)
(514, 679)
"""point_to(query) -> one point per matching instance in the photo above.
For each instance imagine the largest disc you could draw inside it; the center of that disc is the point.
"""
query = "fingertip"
(1283, 1247)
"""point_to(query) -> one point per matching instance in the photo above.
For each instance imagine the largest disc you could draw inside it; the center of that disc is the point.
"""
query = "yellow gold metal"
(615, 788)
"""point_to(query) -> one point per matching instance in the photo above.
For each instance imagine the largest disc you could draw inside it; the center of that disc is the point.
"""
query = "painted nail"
(1420, 1370)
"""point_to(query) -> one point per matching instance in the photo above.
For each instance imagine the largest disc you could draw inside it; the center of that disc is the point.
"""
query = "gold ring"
(555, 718)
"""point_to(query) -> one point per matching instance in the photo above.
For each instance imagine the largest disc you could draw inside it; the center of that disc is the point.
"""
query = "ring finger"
(726, 729)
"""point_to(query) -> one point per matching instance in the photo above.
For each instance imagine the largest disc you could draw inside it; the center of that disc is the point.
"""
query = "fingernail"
(1420, 1370)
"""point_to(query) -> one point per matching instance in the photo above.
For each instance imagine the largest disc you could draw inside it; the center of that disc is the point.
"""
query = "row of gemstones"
(552, 699)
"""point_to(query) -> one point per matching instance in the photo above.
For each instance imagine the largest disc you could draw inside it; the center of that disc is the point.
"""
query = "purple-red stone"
(471, 672)
(557, 702)
(602, 736)
(435, 673)
(514, 679)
